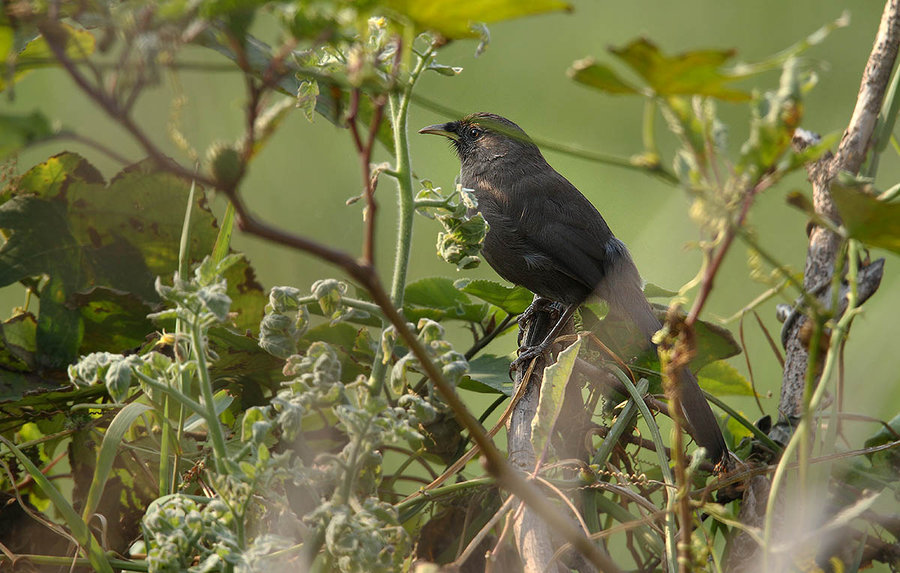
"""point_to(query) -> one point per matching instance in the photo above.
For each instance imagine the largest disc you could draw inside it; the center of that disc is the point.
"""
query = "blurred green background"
(304, 176)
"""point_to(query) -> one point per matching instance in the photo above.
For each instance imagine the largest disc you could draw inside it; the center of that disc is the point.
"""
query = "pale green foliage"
(367, 540)
(285, 322)
(178, 529)
(453, 364)
(114, 370)
(463, 236)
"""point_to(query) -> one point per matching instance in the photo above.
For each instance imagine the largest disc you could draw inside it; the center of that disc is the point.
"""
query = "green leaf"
(885, 435)
(722, 379)
(599, 76)
(113, 320)
(107, 455)
(259, 57)
(248, 298)
(455, 18)
(242, 361)
(690, 73)
(867, 219)
(436, 298)
(59, 329)
(511, 299)
(553, 390)
(18, 131)
(488, 374)
(342, 337)
(714, 343)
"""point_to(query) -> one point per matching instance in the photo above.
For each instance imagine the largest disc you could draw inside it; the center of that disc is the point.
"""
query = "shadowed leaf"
(867, 219)
(488, 374)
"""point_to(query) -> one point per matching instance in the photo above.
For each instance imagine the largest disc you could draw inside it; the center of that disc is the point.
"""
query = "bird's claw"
(526, 355)
(539, 304)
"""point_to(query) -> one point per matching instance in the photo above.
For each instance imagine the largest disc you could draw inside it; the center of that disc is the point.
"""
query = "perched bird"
(546, 236)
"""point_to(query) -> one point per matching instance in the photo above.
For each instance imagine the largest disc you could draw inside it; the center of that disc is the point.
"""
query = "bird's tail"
(627, 299)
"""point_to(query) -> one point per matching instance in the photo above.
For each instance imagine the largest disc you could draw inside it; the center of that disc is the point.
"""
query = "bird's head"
(480, 138)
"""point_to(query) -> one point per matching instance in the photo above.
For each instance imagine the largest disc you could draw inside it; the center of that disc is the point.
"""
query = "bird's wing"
(587, 248)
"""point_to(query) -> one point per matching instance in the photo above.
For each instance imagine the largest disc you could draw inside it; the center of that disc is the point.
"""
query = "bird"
(546, 236)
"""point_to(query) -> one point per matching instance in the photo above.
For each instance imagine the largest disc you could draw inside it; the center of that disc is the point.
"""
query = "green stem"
(82, 562)
(649, 132)
(171, 411)
(671, 527)
(402, 172)
(885, 126)
(367, 306)
(212, 418)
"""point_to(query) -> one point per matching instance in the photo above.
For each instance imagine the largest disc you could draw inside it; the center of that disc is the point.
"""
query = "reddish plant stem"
(716, 262)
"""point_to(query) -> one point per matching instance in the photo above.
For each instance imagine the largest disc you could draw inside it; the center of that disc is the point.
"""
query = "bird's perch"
(534, 539)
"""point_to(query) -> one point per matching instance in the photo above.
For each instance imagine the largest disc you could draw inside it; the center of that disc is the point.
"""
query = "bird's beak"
(444, 129)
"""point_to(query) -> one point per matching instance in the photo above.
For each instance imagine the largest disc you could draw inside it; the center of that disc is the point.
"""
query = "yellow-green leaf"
(455, 18)
(599, 76)
(722, 379)
(690, 73)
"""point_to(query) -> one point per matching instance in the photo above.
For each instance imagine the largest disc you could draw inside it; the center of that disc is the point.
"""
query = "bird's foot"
(539, 304)
(526, 355)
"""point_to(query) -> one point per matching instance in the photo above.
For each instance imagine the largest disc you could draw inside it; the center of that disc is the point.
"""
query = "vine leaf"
(488, 374)
(512, 300)
(436, 298)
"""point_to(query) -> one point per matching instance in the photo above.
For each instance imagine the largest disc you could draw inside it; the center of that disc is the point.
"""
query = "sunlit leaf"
(723, 379)
(455, 18)
(867, 219)
(599, 76)
(698, 72)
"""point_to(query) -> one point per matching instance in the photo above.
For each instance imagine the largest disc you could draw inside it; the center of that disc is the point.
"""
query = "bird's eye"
(474, 132)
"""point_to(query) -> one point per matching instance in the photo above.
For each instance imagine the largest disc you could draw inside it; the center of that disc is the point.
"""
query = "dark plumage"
(546, 236)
